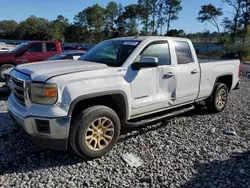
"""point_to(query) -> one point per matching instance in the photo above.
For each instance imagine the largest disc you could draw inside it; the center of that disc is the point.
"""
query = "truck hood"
(42, 71)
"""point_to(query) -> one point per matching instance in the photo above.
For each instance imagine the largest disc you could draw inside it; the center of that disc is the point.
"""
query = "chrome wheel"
(99, 134)
(221, 98)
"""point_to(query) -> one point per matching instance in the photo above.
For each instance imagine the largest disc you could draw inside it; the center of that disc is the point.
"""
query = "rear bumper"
(237, 86)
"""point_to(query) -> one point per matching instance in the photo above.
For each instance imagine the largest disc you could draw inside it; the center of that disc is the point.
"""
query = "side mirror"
(145, 62)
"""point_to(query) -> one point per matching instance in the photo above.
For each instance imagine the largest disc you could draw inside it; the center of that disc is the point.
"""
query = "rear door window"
(36, 47)
(183, 52)
(51, 47)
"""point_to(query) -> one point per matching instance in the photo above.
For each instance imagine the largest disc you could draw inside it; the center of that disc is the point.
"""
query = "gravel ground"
(186, 151)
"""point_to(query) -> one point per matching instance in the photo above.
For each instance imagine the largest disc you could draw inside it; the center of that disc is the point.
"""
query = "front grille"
(17, 82)
(18, 89)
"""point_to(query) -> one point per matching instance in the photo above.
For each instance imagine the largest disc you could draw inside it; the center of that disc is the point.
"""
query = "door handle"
(40, 55)
(194, 71)
(168, 75)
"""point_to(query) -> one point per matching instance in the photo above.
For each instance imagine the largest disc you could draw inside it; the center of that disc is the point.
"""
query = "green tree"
(232, 25)
(145, 13)
(172, 9)
(154, 9)
(175, 33)
(131, 15)
(7, 28)
(209, 13)
(59, 27)
(111, 12)
(161, 17)
(148, 14)
(34, 28)
(245, 18)
(92, 19)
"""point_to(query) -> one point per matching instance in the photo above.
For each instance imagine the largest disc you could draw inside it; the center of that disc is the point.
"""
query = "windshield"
(20, 46)
(112, 53)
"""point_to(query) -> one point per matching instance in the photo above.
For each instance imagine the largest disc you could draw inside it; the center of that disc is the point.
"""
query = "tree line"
(146, 17)
(237, 26)
(97, 23)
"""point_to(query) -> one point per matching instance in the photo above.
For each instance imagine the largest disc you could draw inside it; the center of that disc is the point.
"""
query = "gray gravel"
(187, 151)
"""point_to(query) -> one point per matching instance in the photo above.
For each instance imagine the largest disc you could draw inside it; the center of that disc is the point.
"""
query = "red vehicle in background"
(27, 53)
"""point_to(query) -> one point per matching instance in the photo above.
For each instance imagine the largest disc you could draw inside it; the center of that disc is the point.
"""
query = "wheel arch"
(116, 100)
(227, 79)
(8, 63)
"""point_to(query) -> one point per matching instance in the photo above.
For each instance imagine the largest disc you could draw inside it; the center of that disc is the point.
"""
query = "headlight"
(43, 93)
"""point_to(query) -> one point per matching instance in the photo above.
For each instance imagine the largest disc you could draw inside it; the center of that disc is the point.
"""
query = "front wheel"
(218, 100)
(94, 131)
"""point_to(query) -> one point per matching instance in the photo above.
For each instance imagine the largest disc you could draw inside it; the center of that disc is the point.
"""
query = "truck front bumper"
(46, 132)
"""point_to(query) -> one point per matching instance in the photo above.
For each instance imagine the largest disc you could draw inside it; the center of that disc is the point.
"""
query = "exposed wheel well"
(8, 63)
(117, 102)
(227, 80)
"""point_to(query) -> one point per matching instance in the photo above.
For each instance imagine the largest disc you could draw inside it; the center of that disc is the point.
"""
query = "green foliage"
(210, 14)
(112, 12)
(92, 22)
(96, 23)
(7, 28)
(175, 33)
(172, 9)
(59, 28)
(242, 50)
(35, 28)
(156, 13)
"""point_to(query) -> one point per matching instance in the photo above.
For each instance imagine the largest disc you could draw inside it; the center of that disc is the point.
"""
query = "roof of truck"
(141, 38)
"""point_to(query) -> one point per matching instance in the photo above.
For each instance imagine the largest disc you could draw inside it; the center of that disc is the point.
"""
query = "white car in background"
(4, 50)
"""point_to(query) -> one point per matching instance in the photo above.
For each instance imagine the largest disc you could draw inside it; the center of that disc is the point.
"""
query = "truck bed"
(211, 69)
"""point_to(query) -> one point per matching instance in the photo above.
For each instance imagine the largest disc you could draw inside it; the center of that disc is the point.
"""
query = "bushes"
(241, 50)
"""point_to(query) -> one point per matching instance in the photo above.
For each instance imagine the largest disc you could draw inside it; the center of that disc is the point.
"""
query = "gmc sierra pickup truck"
(127, 81)
(27, 53)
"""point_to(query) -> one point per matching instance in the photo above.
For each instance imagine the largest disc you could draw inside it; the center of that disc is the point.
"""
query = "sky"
(19, 10)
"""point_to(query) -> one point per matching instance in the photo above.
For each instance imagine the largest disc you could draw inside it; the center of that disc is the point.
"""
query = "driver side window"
(159, 50)
(37, 47)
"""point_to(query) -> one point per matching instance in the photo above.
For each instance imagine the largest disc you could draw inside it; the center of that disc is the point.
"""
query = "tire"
(89, 119)
(248, 75)
(217, 104)
(3, 68)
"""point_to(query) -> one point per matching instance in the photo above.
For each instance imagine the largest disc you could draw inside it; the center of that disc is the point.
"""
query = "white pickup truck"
(127, 81)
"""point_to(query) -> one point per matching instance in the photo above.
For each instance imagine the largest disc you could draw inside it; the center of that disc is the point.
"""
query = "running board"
(159, 117)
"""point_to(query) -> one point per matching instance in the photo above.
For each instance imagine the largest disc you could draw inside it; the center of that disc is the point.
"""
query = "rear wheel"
(2, 69)
(218, 100)
(94, 131)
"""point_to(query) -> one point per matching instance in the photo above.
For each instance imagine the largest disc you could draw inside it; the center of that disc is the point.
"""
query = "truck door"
(51, 50)
(152, 88)
(187, 72)
(34, 52)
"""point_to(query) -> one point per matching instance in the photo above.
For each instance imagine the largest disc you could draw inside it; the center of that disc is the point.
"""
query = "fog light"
(42, 126)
